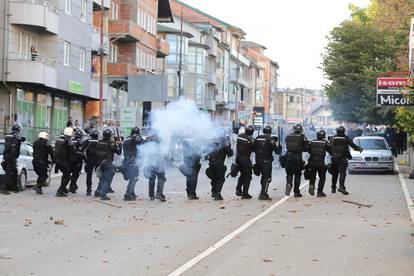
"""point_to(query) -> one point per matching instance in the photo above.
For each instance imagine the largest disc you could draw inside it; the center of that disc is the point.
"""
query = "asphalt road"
(45, 235)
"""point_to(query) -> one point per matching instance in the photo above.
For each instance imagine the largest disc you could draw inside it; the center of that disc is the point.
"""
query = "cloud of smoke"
(179, 121)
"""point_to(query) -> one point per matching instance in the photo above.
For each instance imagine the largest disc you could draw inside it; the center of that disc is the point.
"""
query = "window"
(139, 17)
(66, 53)
(196, 57)
(113, 53)
(84, 7)
(114, 11)
(68, 4)
(82, 55)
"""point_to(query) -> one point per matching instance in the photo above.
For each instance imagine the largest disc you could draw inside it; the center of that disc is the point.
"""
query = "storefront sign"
(394, 91)
(393, 99)
(75, 87)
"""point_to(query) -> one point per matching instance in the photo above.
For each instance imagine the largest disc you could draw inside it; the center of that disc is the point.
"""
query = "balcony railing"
(35, 57)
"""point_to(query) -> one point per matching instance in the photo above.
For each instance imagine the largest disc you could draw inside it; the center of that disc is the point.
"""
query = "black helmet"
(267, 130)
(107, 133)
(340, 130)
(135, 131)
(78, 133)
(321, 134)
(298, 128)
(249, 130)
(236, 130)
(94, 134)
(16, 127)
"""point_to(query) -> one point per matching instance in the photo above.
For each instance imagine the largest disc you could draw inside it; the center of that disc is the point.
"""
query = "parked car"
(25, 171)
(376, 157)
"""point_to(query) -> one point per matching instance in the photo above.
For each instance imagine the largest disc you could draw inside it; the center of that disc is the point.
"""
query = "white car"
(25, 171)
(376, 156)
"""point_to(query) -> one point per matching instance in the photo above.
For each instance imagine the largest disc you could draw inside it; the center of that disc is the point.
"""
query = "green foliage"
(356, 53)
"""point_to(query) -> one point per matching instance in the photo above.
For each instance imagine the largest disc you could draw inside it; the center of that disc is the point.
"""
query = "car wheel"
(22, 180)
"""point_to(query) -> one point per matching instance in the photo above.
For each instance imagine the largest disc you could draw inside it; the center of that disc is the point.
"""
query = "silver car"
(376, 157)
(26, 173)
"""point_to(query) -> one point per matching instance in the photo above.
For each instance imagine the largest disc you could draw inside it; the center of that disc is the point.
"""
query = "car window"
(26, 150)
(372, 144)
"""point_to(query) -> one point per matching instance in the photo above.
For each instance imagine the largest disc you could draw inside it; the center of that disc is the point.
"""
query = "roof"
(213, 18)
(252, 44)
(164, 29)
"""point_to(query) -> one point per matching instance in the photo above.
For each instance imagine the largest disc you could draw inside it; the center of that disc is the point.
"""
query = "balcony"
(125, 31)
(97, 4)
(96, 40)
(27, 67)
(163, 48)
(40, 14)
(212, 78)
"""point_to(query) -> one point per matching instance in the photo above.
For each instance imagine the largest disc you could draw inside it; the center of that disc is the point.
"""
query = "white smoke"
(179, 121)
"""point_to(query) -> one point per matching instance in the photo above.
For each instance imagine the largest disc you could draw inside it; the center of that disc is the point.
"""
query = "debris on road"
(59, 221)
(222, 207)
(107, 203)
(267, 260)
(27, 222)
(357, 203)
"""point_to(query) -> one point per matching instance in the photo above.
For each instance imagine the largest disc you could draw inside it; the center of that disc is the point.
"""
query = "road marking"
(229, 237)
(406, 194)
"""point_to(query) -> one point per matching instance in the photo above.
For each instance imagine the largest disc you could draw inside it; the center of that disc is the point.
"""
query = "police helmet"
(340, 130)
(94, 134)
(16, 127)
(107, 133)
(44, 135)
(267, 130)
(68, 131)
(236, 130)
(321, 134)
(135, 131)
(298, 128)
(249, 130)
(79, 133)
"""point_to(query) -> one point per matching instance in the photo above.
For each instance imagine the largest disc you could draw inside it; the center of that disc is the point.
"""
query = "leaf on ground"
(374, 225)
(267, 260)
(299, 227)
(59, 221)
(222, 207)
(293, 211)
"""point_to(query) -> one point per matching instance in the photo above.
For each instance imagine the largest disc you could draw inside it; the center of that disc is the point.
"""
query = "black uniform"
(296, 143)
(340, 153)
(244, 151)
(217, 169)
(106, 150)
(317, 150)
(64, 150)
(76, 162)
(264, 146)
(42, 150)
(91, 163)
(130, 165)
(11, 154)
(192, 168)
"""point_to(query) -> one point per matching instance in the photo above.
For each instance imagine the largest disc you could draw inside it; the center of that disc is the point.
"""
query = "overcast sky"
(293, 31)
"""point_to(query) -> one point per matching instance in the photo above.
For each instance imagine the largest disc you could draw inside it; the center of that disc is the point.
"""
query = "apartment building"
(134, 49)
(46, 67)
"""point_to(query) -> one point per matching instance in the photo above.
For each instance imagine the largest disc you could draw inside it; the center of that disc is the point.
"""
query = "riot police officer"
(296, 144)
(42, 150)
(244, 151)
(11, 154)
(106, 148)
(76, 160)
(192, 168)
(340, 153)
(156, 171)
(317, 150)
(264, 146)
(64, 150)
(91, 159)
(217, 170)
(130, 164)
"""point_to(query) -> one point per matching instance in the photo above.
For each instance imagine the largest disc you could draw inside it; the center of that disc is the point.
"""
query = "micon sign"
(393, 91)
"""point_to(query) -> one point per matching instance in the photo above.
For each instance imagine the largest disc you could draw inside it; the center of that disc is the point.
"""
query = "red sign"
(394, 83)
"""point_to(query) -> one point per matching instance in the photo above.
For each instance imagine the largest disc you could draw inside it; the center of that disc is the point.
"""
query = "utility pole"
(180, 63)
(101, 71)
(236, 112)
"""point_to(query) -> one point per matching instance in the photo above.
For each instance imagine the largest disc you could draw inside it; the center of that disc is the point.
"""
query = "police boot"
(238, 190)
(321, 194)
(38, 190)
(218, 197)
(333, 190)
(97, 194)
(161, 198)
(88, 193)
(263, 193)
(342, 190)
(298, 194)
(105, 197)
(312, 189)
(245, 193)
(192, 196)
(60, 193)
(129, 198)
